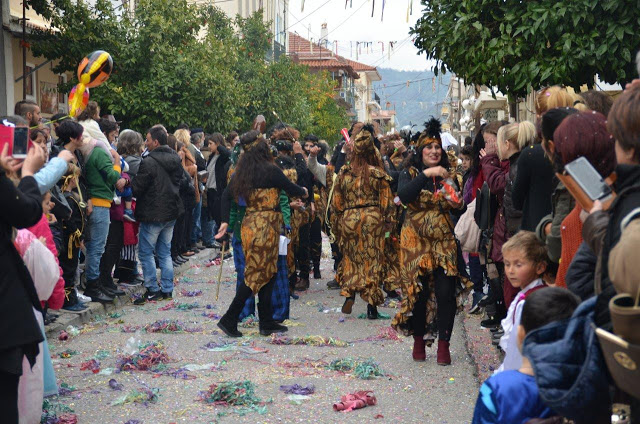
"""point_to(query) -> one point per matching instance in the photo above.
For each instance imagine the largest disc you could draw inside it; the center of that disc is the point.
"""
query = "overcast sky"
(356, 24)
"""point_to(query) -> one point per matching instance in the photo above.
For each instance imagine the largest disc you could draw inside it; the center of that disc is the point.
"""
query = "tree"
(511, 44)
(205, 68)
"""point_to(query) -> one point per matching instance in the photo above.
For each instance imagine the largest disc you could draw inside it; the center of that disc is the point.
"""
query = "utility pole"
(24, 51)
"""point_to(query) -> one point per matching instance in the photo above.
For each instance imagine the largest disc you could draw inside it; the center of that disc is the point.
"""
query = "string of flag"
(349, 3)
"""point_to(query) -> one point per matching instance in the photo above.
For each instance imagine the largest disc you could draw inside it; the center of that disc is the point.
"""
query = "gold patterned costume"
(260, 234)
(426, 243)
(298, 219)
(359, 212)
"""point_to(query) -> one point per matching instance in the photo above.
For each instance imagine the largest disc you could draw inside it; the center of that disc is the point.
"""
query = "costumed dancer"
(428, 250)
(257, 183)
(361, 215)
(325, 177)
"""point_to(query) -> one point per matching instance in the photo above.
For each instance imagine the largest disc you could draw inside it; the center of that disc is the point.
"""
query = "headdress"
(363, 142)
(431, 133)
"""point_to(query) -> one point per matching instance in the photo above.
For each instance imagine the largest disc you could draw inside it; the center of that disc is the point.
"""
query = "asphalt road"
(409, 392)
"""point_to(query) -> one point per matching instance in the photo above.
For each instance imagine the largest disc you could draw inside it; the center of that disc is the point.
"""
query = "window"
(62, 96)
(30, 82)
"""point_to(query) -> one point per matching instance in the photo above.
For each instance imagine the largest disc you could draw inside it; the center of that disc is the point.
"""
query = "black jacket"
(513, 216)
(533, 185)
(580, 273)
(220, 171)
(157, 186)
(19, 330)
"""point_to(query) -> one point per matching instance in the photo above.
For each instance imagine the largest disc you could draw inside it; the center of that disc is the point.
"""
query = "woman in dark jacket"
(509, 141)
(20, 333)
(217, 178)
(428, 251)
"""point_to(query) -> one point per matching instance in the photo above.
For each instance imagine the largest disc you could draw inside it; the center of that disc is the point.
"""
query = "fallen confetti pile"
(355, 400)
(308, 341)
(148, 358)
(57, 413)
(296, 389)
(92, 365)
(191, 293)
(169, 326)
(211, 315)
(384, 333)
(249, 322)
(143, 396)
(174, 304)
(234, 393)
(381, 315)
(67, 353)
(363, 369)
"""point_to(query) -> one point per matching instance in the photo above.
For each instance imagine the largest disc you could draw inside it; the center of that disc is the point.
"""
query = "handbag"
(569, 367)
(467, 231)
(486, 207)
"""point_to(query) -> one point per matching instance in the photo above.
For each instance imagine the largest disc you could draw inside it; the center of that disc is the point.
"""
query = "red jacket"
(496, 173)
(41, 229)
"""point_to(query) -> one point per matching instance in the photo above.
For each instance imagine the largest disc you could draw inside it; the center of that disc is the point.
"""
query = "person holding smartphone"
(19, 300)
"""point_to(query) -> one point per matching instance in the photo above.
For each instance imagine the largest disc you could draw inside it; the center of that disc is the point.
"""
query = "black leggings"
(315, 240)
(445, 291)
(9, 397)
(265, 311)
(302, 251)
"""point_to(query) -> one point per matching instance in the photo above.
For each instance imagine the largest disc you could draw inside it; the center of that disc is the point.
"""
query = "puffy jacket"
(495, 174)
(562, 205)
(580, 274)
(156, 187)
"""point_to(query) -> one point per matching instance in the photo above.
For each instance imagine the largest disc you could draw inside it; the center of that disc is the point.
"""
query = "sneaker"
(77, 308)
(128, 215)
(149, 296)
(167, 296)
(490, 323)
(82, 298)
(226, 256)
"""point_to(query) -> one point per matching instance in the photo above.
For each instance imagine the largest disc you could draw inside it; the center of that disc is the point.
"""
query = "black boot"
(267, 325)
(95, 293)
(372, 312)
(229, 321)
(110, 289)
(316, 271)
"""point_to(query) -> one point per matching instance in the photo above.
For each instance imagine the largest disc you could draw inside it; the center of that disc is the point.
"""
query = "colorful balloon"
(78, 99)
(95, 68)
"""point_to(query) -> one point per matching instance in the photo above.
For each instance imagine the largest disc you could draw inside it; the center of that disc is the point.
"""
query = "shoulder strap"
(332, 237)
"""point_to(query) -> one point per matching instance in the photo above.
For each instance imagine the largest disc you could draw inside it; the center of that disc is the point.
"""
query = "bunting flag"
(373, 8)
(433, 84)
(302, 9)
(382, 14)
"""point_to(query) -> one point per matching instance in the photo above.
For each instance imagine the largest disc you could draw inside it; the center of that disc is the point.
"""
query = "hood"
(285, 162)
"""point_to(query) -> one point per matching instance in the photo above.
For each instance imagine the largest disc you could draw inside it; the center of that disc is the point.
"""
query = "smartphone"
(588, 179)
(20, 142)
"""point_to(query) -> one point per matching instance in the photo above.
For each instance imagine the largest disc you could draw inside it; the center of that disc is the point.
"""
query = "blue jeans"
(196, 232)
(156, 236)
(476, 274)
(99, 222)
(208, 227)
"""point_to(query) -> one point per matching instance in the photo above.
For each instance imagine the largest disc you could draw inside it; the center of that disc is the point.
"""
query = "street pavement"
(408, 392)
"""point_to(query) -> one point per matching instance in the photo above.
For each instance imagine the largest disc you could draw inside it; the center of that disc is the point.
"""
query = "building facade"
(41, 83)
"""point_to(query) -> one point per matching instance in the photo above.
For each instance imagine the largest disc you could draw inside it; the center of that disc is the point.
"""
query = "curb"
(96, 309)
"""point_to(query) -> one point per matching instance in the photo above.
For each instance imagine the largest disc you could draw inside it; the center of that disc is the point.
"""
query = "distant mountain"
(416, 102)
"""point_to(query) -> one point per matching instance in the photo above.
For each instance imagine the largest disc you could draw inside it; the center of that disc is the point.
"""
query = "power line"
(349, 17)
